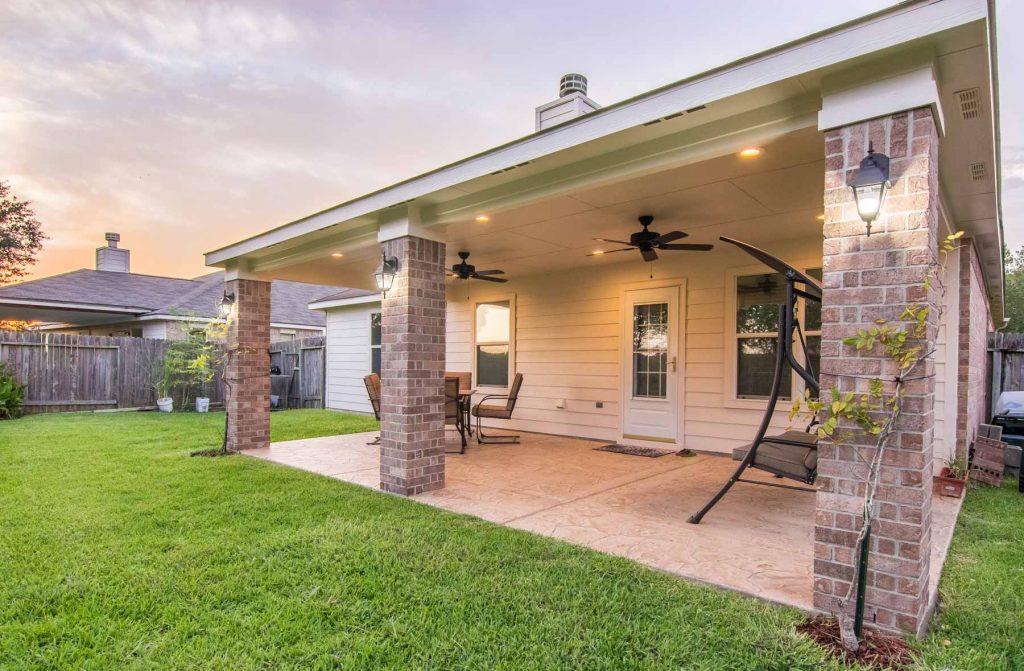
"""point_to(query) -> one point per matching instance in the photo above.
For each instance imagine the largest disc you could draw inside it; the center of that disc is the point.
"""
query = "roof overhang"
(756, 98)
(17, 309)
(369, 299)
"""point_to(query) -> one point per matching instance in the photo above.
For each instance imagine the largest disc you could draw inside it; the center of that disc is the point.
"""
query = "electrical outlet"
(600, 404)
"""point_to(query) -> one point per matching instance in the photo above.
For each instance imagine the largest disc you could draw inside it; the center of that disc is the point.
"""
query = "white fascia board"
(84, 307)
(342, 302)
(882, 30)
(899, 93)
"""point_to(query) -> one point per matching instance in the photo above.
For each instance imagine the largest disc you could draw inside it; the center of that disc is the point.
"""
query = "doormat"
(635, 451)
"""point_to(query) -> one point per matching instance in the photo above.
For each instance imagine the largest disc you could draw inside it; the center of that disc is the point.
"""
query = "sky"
(185, 126)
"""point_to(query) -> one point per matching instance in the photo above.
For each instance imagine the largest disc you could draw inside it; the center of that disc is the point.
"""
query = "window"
(493, 329)
(375, 342)
(758, 298)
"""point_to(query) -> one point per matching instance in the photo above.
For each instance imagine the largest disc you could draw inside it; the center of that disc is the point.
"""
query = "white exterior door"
(650, 384)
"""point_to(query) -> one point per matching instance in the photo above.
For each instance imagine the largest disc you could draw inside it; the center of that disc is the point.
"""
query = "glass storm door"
(650, 411)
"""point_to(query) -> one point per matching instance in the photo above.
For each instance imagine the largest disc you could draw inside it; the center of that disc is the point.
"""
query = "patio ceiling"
(776, 196)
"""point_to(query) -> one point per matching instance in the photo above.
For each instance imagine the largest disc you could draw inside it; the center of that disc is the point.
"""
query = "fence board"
(304, 361)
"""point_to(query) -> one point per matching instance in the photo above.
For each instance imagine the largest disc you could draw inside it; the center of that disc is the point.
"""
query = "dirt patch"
(877, 650)
(213, 452)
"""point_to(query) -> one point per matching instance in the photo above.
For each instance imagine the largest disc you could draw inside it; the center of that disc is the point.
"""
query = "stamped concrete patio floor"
(757, 540)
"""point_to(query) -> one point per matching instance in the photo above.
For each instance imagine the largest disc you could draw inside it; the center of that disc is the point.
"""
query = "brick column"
(248, 366)
(412, 369)
(865, 279)
(974, 325)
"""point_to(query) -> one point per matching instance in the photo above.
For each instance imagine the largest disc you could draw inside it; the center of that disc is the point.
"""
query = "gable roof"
(151, 296)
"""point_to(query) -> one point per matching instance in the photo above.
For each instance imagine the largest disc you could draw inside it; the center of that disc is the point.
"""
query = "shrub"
(12, 394)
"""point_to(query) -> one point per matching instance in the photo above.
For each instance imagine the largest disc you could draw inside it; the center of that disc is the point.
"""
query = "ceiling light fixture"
(337, 255)
(751, 152)
(482, 218)
(820, 217)
(598, 252)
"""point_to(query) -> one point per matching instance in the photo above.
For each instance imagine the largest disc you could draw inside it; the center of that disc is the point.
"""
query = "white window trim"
(495, 298)
(369, 340)
(731, 340)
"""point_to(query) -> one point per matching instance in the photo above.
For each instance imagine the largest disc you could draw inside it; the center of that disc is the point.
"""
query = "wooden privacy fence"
(1006, 352)
(302, 372)
(63, 372)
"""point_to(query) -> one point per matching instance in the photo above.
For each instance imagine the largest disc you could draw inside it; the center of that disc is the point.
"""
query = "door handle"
(673, 364)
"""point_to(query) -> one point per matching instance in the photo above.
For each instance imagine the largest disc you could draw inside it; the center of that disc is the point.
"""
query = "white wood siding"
(348, 357)
(569, 345)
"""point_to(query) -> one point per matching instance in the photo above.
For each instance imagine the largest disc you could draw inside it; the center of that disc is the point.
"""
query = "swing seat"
(793, 455)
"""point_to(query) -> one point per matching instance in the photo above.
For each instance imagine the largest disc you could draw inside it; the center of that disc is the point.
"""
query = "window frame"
(732, 337)
(485, 300)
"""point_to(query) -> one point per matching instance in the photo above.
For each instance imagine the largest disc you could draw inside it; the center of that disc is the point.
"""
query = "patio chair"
(494, 411)
(793, 454)
(465, 382)
(453, 414)
(372, 382)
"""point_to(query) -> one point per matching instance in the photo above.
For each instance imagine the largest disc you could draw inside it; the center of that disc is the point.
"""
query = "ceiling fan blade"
(669, 237)
(612, 251)
(486, 278)
(613, 242)
(649, 255)
(490, 272)
(689, 247)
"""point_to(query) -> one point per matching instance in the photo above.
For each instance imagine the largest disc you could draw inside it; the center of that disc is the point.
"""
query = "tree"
(21, 235)
(1013, 290)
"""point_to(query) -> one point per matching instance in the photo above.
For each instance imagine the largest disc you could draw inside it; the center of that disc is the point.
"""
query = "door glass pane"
(650, 350)
(492, 365)
(755, 368)
(758, 298)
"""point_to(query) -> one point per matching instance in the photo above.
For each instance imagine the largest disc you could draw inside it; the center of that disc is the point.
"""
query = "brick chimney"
(572, 102)
(112, 259)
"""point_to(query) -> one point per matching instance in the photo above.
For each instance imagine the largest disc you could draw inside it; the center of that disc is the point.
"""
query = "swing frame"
(784, 353)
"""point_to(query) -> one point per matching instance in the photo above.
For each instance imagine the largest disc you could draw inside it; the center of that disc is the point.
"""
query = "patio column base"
(412, 369)
(248, 401)
(867, 278)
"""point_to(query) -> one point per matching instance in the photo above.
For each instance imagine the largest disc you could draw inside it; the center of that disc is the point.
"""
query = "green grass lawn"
(117, 550)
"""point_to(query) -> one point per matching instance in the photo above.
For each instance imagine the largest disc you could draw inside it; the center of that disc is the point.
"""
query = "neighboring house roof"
(152, 296)
(343, 295)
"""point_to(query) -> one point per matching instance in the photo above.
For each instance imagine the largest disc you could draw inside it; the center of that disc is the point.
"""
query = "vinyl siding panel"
(348, 357)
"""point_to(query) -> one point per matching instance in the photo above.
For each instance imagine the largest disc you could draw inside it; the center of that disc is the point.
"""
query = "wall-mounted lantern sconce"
(385, 275)
(870, 185)
(227, 302)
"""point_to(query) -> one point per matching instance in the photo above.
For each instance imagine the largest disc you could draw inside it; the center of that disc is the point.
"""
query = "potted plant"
(162, 385)
(952, 479)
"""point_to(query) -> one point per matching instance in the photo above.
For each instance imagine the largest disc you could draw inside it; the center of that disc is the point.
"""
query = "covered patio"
(620, 344)
(758, 541)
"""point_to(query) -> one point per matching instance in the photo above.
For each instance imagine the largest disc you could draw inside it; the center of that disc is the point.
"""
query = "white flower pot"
(202, 404)
(165, 404)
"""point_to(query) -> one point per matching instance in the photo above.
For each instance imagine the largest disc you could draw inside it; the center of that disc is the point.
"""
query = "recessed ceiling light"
(821, 217)
(751, 152)
(598, 252)
(482, 218)
(337, 255)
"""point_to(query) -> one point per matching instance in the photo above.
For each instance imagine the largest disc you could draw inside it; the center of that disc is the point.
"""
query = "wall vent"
(518, 165)
(978, 172)
(970, 103)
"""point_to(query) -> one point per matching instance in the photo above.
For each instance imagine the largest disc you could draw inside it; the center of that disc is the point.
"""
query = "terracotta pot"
(943, 485)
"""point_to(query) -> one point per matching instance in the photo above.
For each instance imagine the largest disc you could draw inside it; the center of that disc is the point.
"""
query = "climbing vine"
(875, 411)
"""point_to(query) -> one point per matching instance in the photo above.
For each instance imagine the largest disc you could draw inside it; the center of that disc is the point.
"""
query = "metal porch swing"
(792, 454)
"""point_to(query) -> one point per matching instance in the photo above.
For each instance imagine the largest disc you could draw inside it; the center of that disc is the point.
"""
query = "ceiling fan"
(648, 241)
(466, 271)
